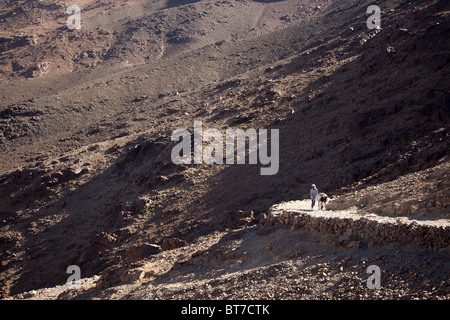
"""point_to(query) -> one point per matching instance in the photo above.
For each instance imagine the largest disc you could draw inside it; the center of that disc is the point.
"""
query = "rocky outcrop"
(143, 251)
(172, 243)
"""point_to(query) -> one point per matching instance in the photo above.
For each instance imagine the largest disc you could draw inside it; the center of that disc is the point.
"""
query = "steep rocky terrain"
(87, 179)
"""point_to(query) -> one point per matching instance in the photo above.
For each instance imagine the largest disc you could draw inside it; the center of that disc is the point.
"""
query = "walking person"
(314, 193)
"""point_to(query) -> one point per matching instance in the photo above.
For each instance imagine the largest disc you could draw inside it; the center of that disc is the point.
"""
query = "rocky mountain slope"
(87, 177)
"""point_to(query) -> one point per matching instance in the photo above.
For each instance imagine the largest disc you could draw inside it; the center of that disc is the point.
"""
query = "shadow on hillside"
(361, 121)
(90, 214)
(268, 1)
(177, 3)
(370, 121)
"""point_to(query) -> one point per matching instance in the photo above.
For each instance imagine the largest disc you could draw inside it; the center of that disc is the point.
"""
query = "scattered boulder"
(173, 243)
(142, 251)
(140, 205)
(260, 218)
(238, 219)
(38, 70)
(97, 244)
(132, 275)
(353, 245)
(286, 18)
(342, 241)
(111, 276)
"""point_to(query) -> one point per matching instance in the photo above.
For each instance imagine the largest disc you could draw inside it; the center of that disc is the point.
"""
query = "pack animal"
(322, 201)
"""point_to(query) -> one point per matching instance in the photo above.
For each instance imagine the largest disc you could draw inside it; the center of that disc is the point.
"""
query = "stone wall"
(371, 232)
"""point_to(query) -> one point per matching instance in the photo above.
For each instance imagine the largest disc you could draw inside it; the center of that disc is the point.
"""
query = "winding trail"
(364, 228)
(304, 207)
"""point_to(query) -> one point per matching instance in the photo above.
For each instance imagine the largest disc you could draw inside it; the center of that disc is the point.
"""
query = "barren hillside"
(87, 177)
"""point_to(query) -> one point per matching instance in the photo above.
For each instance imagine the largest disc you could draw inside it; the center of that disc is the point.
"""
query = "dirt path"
(365, 229)
(304, 206)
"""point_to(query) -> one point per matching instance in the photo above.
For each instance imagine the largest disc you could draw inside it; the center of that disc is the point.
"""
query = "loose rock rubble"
(86, 175)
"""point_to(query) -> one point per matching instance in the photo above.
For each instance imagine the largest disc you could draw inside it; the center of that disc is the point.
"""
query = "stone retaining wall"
(371, 231)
